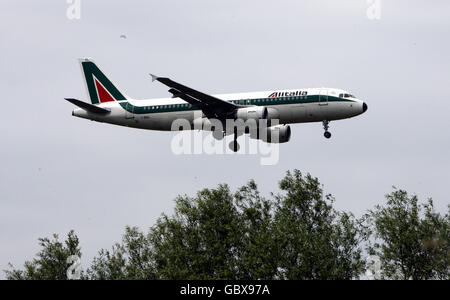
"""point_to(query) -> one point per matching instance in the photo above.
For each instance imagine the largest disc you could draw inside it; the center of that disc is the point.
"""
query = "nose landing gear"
(326, 134)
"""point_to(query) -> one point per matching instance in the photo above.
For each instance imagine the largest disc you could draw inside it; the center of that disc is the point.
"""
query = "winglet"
(154, 77)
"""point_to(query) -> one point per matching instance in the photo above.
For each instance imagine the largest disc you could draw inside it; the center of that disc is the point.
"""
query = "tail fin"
(100, 89)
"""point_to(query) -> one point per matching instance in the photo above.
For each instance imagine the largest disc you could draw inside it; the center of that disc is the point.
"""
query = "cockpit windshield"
(346, 96)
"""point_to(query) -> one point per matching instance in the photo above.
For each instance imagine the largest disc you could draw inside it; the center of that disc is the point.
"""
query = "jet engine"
(275, 134)
(252, 113)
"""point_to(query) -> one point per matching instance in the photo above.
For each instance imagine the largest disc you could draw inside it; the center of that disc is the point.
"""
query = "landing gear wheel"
(218, 135)
(327, 134)
(234, 146)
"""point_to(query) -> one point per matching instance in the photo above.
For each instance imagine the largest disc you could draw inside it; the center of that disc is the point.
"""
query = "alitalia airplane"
(110, 105)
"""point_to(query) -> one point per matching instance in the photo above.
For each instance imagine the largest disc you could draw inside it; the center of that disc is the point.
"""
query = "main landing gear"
(326, 134)
(234, 145)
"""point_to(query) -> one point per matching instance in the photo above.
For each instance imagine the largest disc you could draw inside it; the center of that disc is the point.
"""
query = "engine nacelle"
(275, 134)
(252, 113)
(273, 114)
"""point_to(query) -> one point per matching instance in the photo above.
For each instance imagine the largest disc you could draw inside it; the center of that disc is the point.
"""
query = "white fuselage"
(288, 106)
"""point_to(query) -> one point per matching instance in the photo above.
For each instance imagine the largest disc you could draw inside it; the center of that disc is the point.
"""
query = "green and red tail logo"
(100, 88)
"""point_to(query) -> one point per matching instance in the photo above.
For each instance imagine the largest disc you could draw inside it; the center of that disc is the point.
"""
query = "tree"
(51, 262)
(412, 240)
(132, 259)
(314, 241)
(258, 251)
(221, 235)
(201, 241)
(294, 234)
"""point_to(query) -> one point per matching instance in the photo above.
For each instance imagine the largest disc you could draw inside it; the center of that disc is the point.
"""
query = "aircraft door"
(129, 111)
(323, 97)
(323, 104)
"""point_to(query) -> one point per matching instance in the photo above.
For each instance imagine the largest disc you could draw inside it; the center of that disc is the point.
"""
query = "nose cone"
(364, 107)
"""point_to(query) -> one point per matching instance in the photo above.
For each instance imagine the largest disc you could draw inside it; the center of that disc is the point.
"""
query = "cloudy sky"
(60, 173)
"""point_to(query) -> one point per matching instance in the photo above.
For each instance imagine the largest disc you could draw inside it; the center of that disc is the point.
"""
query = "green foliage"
(132, 259)
(221, 235)
(315, 241)
(297, 234)
(412, 240)
(51, 261)
(258, 251)
(200, 241)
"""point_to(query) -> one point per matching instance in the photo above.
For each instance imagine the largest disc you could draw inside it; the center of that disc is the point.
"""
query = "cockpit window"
(346, 96)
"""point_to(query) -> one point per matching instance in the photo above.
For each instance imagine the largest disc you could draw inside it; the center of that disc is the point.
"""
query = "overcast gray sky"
(60, 173)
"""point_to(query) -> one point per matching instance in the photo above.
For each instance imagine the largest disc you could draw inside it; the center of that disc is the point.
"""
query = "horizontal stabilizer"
(88, 107)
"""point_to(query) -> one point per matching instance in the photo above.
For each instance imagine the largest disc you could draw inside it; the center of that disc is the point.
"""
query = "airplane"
(109, 105)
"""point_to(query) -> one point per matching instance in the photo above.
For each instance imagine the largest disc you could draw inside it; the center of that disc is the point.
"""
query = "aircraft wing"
(211, 106)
